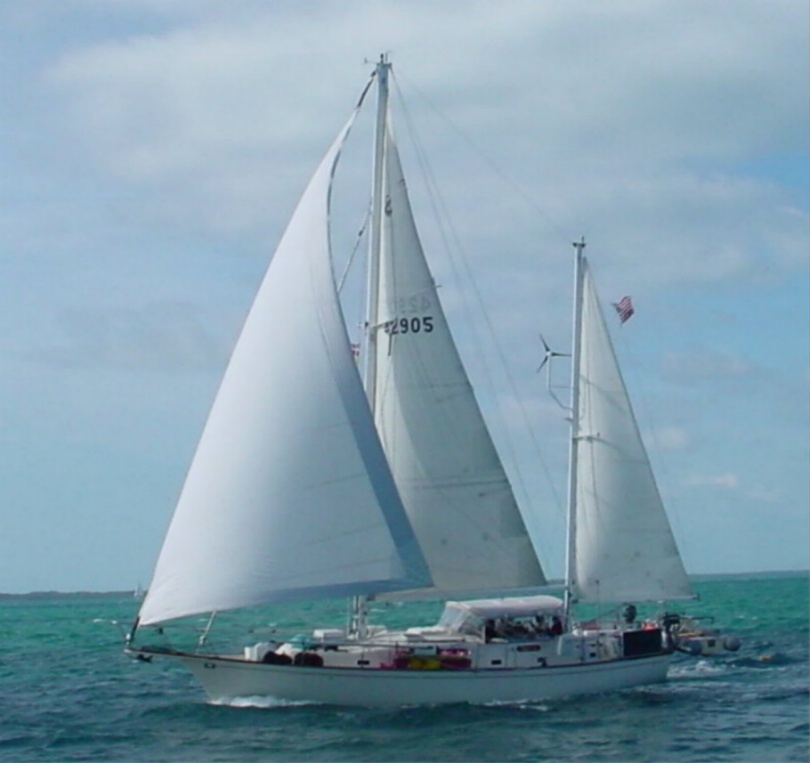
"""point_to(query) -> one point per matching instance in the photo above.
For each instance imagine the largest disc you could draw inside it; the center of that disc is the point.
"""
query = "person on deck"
(540, 625)
(489, 630)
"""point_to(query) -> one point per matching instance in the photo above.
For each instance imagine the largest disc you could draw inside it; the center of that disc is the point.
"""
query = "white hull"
(225, 679)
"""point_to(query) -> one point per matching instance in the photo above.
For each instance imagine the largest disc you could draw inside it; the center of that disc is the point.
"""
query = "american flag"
(624, 307)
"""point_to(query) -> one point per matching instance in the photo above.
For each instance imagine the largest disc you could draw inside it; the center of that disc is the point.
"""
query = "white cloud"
(152, 151)
(629, 142)
(670, 438)
(156, 337)
(725, 481)
(708, 365)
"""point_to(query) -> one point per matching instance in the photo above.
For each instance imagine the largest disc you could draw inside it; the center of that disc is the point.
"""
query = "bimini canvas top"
(514, 607)
(470, 616)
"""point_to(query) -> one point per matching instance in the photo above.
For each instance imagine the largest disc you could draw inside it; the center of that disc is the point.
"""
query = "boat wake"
(262, 702)
(697, 670)
(521, 704)
(767, 660)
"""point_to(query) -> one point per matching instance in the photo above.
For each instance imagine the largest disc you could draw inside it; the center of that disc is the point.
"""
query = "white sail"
(625, 550)
(448, 472)
(289, 495)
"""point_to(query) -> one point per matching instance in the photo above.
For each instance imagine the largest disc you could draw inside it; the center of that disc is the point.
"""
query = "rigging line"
(366, 89)
(360, 233)
(364, 224)
(455, 252)
(517, 187)
(439, 205)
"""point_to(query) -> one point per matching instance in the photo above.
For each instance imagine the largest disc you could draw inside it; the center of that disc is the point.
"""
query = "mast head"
(383, 65)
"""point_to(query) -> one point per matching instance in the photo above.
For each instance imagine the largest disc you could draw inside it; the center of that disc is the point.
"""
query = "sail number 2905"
(412, 325)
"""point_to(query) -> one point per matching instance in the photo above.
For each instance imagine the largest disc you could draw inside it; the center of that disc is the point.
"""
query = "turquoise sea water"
(68, 693)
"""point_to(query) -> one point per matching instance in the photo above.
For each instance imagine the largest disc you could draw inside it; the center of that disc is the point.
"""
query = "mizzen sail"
(625, 549)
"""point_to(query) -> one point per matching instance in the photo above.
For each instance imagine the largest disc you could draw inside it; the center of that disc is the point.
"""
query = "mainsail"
(624, 547)
(451, 480)
(289, 495)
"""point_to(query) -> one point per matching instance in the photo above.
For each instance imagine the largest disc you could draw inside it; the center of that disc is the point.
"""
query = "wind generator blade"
(549, 353)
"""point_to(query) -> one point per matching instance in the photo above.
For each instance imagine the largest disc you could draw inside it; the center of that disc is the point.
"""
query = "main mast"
(375, 247)
(576, 342)
(357, 622)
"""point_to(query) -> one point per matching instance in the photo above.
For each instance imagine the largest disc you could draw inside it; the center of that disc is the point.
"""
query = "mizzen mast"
(576, 342)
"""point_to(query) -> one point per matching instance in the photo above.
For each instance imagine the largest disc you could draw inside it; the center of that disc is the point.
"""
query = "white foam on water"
(699, 668)
(265, 702)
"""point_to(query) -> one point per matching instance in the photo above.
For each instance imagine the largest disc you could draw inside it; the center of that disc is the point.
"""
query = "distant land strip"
(67, 595)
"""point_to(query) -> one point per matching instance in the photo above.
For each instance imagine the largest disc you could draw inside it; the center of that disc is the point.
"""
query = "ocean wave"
(764, 661)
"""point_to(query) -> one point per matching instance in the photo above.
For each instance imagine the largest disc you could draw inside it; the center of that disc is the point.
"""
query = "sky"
(152, 152)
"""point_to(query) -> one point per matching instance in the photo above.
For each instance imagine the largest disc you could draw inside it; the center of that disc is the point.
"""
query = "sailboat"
(316, 478)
